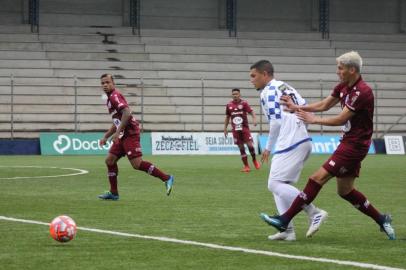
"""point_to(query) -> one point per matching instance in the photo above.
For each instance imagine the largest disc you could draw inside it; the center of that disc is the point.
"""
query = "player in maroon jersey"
(237, 111)
(357, 103)
(125, 135)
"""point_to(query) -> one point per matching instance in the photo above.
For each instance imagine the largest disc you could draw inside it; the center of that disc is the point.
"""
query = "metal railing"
(75, 106)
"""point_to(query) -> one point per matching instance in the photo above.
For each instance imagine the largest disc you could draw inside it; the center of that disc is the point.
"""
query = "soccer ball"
(62, 229)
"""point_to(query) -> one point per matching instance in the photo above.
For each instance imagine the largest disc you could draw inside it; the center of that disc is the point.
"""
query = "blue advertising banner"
(320, 144)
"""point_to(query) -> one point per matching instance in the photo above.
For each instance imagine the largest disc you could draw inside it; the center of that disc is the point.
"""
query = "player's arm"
(337, 120)
(320, 106)
(254, 118)
(274, 128)
(226, 121)
(125, 117)
(107, 135)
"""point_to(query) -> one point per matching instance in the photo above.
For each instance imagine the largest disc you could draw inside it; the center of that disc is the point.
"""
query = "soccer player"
(357, 103)
(125, 135)
(237, 111)
(288, 136)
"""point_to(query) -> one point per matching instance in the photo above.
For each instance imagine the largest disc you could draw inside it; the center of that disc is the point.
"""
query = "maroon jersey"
(115, 104)
(359, 99)
(238, 113)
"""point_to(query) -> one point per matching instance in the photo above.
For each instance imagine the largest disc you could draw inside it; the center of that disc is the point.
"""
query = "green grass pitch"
(212, 202)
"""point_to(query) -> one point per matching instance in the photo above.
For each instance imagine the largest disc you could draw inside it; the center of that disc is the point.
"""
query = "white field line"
(221, 247)
(77, 172)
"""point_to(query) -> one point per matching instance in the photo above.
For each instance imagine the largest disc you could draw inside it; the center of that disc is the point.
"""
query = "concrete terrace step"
(362, 45)
(222, 50)
(291, 43)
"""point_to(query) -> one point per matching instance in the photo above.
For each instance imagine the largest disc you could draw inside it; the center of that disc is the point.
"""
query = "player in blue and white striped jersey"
(290, 143)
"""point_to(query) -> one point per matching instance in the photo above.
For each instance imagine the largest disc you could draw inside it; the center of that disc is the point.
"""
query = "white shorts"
(287, 166)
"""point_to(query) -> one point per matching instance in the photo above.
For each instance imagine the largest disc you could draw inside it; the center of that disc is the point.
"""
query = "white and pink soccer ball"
(62, 229)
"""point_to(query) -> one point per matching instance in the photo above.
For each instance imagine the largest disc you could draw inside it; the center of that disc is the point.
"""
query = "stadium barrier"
(320, 144)
(81, 144)
(19, 147)
(174, 143)
(196, 143)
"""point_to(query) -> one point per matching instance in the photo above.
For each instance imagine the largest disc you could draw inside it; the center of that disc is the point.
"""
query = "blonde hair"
(351, 59)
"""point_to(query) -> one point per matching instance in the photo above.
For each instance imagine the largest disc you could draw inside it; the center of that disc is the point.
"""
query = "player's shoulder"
(363, 87)
(244, 102)
(340, 86)
(229, 104)
(275, 84)
(115, 93)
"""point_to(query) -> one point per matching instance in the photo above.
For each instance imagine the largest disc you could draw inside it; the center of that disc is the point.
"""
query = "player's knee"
(273, 186)
(110, 162)
(136, 163)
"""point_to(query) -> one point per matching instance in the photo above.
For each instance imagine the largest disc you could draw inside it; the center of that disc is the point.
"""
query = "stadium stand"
(178, 80)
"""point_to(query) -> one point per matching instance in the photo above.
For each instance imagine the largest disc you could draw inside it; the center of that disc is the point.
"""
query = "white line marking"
(215, 246)
(78, 172)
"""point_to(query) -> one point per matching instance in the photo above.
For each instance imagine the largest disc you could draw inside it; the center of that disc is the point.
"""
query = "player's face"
(107, 84)
(345, 73)
(258, 79)
(236, 95)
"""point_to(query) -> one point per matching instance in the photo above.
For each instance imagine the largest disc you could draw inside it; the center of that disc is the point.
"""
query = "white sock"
(288, 194)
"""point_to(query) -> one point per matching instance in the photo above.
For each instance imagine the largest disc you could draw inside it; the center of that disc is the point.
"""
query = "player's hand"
(308, 118)
(265, 156)
(225, 133)
(102, 141)
(288, 104)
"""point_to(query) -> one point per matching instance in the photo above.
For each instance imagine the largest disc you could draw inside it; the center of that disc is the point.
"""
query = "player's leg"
(244, 158)
(289, 235)
(346, 190)
(309, 193)
(239, 141)
(146, 166)
(132, 147)
(285, 171)
(250, 145)
(151, 169)
(112, 173)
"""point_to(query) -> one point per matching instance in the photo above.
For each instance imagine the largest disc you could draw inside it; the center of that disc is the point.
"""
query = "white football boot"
(315, 222)
(283, 236)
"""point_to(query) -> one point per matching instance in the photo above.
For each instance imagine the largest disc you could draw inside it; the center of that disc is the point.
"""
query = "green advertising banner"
(82, 144)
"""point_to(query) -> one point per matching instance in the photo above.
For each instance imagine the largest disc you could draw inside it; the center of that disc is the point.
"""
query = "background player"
(125, 134)
(288, 135)
(237, 111)
(357, 103)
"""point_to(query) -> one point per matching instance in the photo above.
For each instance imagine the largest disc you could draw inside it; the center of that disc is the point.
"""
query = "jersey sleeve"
(227, 111)
(337, 90)
(273, 108)
(118, 102)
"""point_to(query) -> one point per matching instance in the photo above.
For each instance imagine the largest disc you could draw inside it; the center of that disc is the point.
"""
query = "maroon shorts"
(346, 160)
(129, 146)
(242, 136)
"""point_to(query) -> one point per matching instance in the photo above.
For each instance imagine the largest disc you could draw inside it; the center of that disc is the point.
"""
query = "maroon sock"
(243, 156)
(245, 160)
(149, 168)
(308, 194)
(252, 152)
(359, 201)
(112, 173)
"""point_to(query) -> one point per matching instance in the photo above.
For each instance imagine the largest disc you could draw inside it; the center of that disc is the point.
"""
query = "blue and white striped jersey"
(285, 129)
